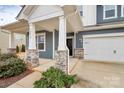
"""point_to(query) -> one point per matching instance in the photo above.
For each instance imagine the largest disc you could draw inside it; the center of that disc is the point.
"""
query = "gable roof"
(21, 26)
(20, 11)
(26, 9)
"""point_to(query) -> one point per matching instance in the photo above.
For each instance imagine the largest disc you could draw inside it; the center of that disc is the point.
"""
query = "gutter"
(101, 27)
(4, 31)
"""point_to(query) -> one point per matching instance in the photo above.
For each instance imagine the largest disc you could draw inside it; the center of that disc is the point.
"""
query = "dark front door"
(70, 46)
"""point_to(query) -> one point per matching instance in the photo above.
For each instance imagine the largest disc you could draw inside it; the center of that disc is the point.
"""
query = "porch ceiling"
(17, 27)
(51, 25)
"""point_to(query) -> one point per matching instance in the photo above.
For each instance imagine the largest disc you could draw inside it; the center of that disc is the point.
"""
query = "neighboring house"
(4, 41)
(96, 30)
(20, 39)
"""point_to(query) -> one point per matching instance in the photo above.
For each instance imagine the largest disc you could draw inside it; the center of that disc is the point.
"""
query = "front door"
(70, 46)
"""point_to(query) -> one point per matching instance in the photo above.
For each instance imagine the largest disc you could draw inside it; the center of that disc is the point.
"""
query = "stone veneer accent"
(79, 53)
(62, 59)
(32, 58)
(11, 50)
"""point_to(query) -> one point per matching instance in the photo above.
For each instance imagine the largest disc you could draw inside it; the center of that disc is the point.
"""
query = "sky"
(8, 13)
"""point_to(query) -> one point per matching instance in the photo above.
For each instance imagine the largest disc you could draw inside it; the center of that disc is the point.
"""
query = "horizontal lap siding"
(49, 45)
(79, 38)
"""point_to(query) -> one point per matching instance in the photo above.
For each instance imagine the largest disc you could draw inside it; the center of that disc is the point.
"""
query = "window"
(109, 11)
(122, 10)
(40, 42)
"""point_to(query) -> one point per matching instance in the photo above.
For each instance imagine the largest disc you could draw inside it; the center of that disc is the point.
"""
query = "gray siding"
(49, 45)
(56, 39)
(27, 40)
(79, 42)
(100, 15)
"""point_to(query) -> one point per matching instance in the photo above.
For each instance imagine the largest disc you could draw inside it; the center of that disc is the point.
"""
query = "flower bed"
(12, 69)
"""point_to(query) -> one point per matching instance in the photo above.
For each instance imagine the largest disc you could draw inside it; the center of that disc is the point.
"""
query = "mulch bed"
(5, 82)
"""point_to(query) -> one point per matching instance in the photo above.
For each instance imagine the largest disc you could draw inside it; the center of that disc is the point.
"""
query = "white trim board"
(104, 35)
(53, 44)
(122, 10)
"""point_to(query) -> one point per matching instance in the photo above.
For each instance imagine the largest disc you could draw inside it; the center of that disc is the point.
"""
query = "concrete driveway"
(102, 74)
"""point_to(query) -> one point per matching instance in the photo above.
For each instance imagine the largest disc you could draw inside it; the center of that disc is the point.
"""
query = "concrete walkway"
(27, 82)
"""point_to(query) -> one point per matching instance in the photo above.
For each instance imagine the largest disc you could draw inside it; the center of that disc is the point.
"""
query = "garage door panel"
(104, 48)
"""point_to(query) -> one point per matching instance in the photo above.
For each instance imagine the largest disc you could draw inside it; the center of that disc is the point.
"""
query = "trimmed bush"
(17, 49)
(23, 48)
(55, 78)
(4, 57)
(12, 67)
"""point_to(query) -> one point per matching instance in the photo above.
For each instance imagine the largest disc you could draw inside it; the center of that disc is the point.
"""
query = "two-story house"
(94, 32)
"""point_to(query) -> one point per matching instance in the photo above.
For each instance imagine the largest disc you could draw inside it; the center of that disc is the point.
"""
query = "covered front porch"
(48, 36)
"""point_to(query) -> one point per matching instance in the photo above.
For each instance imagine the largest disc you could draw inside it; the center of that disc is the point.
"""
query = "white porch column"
(62, 55)
(32, 53)
(12, 47)
(11, 40)
(32, 38)
(62, 33)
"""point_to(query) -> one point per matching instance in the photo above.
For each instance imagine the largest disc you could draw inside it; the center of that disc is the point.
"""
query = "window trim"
(38, 34)
(104, 11)
(122, 12)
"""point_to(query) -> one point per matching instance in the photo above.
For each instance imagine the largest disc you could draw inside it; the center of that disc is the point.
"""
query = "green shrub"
(4, 57)
(17, 49)
(12, 67)
(23, 48)
(55, 78)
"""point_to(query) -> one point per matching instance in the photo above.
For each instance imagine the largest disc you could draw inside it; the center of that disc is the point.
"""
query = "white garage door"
(107, 47)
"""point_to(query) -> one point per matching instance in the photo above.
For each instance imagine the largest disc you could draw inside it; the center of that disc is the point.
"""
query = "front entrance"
(70, 46)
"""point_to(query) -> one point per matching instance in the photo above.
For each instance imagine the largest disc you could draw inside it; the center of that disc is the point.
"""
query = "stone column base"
(32, 58)
(11, 50)
(62, 59)
(79, 53)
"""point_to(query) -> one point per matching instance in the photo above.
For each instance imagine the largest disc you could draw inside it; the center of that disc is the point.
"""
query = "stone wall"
(62, 59)
(32, 58)
(79, 53)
